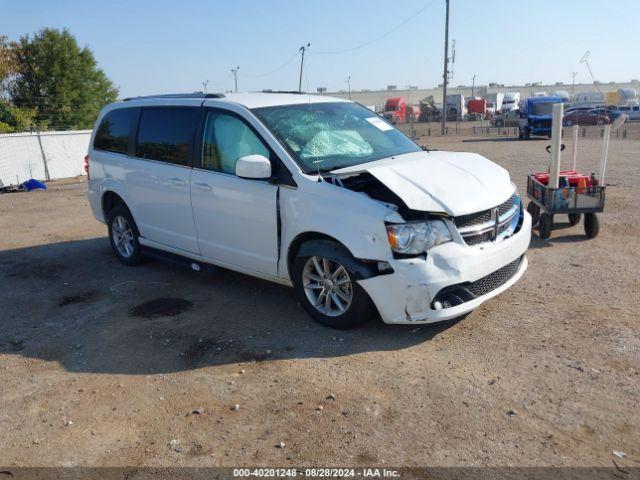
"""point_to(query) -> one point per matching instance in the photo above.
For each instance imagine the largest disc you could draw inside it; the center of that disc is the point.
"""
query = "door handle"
(177, 181)
(202, 186)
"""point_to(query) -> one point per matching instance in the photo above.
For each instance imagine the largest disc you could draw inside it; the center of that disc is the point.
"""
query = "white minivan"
(314, 192)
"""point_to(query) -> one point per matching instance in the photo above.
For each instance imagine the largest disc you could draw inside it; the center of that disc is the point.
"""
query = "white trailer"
(510, 101)
(496, 99)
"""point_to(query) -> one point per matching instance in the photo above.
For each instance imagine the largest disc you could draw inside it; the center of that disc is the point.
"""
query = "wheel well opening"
(110, 200)
(297, 242)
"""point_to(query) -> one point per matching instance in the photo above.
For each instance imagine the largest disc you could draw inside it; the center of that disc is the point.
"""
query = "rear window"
(113, 132)
(166, 134)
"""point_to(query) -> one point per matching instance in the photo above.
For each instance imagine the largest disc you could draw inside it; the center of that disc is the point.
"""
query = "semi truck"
(536, 116)
(396, 110)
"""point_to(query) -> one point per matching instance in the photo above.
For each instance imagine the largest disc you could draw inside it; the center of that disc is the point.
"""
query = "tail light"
(86, 165)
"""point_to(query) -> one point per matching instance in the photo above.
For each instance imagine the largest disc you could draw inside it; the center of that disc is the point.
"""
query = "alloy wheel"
(327, 285)
(123, 236)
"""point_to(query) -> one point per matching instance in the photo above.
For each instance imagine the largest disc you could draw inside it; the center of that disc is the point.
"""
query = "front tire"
(545, 225)
(591, 225)
(324, 276)
(123, 236)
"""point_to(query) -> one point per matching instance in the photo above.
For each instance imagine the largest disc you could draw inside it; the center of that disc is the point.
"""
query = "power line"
(293, 57)
(384, 35)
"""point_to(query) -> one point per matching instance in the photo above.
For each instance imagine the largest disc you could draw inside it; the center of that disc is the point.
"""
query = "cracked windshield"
(328, 136)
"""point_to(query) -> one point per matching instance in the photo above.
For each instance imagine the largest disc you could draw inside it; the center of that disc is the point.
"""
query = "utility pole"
(349, 84)
(445, 74)
(473, 84)
(235, 77)
(302, 50)
(573, 82)
(204, 86)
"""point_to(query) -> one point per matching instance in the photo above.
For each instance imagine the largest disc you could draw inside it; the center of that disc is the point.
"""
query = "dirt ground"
(102, 364)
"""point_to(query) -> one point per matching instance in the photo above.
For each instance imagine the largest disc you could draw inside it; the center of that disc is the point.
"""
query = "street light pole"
(302, 50)
(235, 77)
(445, 74)
(349, 84)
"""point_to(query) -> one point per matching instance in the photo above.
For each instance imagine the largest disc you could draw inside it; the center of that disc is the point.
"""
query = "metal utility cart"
(568, 192)
(574, 201)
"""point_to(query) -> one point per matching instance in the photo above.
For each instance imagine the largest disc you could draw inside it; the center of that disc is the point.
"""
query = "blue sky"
(165, 46)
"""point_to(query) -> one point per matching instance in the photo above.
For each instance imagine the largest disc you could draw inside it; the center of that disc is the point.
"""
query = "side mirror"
(253, 166)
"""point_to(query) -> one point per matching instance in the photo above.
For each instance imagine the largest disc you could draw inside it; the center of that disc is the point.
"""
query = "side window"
(166, 134)
(113, 132)
(226, 139)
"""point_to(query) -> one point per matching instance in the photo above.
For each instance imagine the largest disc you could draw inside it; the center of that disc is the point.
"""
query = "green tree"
(14, 119)
(59, 80)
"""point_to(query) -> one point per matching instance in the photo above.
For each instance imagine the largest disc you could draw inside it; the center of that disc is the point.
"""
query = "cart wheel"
(591, 225)
(545, 225)
(574, 219)
(534, 211)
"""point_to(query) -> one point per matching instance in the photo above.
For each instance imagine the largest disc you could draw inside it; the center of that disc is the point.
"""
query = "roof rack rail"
(178, 95)
(284, 91)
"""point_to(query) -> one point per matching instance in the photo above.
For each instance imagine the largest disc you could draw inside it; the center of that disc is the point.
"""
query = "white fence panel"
(21, 155)
(20, 158)
(65, 152)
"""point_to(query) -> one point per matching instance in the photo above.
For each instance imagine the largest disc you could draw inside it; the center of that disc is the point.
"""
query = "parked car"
(585, 117)
(633, 111)
(509, 118)
(313, 192)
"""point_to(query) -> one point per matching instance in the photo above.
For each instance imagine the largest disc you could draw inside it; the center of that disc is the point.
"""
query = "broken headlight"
(417, 237)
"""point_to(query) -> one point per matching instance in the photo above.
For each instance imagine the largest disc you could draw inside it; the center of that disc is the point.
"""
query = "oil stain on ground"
(161, 307)
(81, 297)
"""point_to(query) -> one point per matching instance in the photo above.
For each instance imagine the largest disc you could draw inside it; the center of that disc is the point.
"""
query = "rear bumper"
(407, 295)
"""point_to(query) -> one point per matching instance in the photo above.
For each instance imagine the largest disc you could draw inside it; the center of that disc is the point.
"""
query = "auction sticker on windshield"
(379, 123)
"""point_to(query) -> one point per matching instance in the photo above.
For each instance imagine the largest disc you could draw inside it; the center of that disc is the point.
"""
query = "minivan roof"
(248, 100)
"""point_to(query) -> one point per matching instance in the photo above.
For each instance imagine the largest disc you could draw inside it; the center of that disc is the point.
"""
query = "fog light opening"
(447, 301)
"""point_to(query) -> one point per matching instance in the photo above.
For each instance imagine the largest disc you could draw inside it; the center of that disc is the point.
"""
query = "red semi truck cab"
(395, 110)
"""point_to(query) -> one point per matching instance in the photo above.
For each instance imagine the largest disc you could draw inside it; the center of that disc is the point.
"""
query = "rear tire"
(591, 225)
(123, 236)
(527, 134)
(574, 219)
(545, 225)
(324, 276)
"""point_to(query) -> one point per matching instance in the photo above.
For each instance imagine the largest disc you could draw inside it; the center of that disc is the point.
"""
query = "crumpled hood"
(455, 183)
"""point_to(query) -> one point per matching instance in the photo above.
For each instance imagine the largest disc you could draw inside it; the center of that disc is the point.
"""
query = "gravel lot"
(101, 364)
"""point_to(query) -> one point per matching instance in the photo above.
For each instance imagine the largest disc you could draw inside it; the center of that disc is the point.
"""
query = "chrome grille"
(489, 225)
(494, 280)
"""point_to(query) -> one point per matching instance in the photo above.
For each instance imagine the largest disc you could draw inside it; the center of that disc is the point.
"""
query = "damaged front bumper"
(407, 295)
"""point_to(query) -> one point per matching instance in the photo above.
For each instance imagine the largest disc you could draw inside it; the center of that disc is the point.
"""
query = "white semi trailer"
(510, 101)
